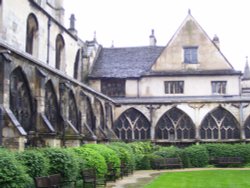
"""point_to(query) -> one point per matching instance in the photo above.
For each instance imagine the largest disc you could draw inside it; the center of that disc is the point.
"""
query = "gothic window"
(73, 115)
(76, 65)
(247, 128)
(209, 128)
(51, 105)
(20, 99)
(113, 87)
(190, 55)
(59, 51)
(175, 124)
(226, 123)
(101, 114)
(31, 33)
(219, 87)
(132, 124)
(90, 118)
(174, 87)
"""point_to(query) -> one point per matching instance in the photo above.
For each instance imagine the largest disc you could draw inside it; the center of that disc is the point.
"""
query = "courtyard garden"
(18, 169)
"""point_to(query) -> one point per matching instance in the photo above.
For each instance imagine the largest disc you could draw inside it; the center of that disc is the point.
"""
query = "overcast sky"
(129, 22)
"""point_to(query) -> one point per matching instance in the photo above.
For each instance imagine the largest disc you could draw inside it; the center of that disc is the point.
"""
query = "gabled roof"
(130, 62)
(191, 34)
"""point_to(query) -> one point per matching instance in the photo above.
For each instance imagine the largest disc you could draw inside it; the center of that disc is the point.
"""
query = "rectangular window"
(190, 55)
(219, 87)
(174, 87)
(113, 87)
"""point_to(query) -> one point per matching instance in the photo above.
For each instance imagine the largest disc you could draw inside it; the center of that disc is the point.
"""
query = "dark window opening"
(219, 87)
(174, 87)
(59, 50)
(190, 55)
(113, 87)
(31, 31)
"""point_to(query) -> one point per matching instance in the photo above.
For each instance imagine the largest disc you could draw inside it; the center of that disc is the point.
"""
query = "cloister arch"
(175, 125)
(132, 125)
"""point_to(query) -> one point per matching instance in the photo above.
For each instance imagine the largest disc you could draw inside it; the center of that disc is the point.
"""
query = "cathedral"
(57, 90)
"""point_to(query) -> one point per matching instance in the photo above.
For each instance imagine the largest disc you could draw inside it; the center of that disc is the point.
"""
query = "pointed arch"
(219, 124)
(73, 112)
(247, 127)
(132, 124)
(175, 124)
(100, 112)
(90, 118)
(51, 105)
(60, 45)
(31, 34)
(76, 64)
(20, 99)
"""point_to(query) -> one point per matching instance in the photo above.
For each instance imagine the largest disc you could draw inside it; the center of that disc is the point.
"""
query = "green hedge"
(35, 162)
(12, 173)
(62, 161)
(93, 159)
(197, 155)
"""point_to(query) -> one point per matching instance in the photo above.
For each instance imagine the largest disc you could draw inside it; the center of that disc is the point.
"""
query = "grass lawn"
(203, 179)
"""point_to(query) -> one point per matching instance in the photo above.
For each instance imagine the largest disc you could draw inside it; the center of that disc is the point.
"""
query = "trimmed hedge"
(12, 173)
(197, 155)
(62, 161)
(35, 162)
(93, 159)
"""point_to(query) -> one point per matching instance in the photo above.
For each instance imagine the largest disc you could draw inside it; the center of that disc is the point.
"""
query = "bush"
(93, 159)
(141, 147)
(62, 161)
(168, 152)
(12, 173)
(36, 163)
(125, 152)
(110, 156)
(197, 155)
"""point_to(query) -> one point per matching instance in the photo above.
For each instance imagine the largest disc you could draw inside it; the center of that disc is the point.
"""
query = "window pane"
(172, 87)
(190, 55)
(218, 87)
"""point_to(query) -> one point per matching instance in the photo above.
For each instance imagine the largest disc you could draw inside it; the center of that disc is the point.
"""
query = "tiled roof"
(129, 62)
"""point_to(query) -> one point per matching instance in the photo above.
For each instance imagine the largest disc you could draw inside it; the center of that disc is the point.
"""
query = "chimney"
(216, 41)
(152, 39)
(72, 25)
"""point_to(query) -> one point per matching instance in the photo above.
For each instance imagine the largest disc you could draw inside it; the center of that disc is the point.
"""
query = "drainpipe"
(48, 39)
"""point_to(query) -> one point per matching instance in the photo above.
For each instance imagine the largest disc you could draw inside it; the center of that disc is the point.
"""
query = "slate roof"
(128, 62)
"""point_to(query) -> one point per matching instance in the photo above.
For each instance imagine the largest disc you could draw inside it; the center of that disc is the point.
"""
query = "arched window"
(209, 128)
(175, 124)
(132, 124)
(31, 34)
(76, 65)
(247, 128)
(220, 124)
(20, 99)
(90, 118)
(59, 51)
(73, 115)
(51, 105)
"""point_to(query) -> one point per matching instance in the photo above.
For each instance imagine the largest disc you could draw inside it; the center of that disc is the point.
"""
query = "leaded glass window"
(132, 124)
(175, 124)
(20, 99)
(219, 87)
(247, 128)
(190, 55)
(209, 128)
(51, 105)
(113, 87)
(174, 87)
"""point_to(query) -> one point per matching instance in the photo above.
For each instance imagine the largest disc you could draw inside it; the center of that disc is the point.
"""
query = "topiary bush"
(197, 155)
(62, 161)
(93, 159)
(35, 162)
(12, 173)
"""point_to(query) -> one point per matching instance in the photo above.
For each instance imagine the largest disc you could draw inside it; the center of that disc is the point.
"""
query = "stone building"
(182, 93)
(58, 90)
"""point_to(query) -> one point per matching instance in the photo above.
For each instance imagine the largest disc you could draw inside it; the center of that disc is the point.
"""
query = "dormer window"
(190, 55)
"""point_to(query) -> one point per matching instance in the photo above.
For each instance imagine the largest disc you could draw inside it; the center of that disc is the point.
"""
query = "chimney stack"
(152, 39)
(72, 25)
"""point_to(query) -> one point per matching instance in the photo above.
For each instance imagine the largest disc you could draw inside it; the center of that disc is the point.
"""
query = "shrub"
(12, 173)
(62, 161)
(198, 155)
(110, 156)
(93, 159)
(168, 152)
(141, 147)
(36, 163)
